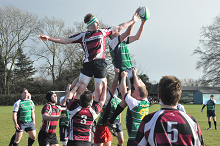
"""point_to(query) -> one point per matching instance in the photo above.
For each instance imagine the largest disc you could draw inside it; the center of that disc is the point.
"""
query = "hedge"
(38, 99)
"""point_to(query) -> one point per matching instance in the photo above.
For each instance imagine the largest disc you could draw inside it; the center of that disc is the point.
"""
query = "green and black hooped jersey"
(64, 121)
(120, 55)
(113, 105)
(210, 104)
(137, 110)
(23, 108)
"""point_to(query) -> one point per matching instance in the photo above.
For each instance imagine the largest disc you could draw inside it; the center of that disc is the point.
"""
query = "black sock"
(215, 123)
(12, 140)
(30, 141)
(209, 124)
(15, 144)
(118, 110)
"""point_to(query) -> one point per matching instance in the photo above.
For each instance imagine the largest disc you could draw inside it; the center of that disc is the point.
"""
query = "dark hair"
(212, 96)
(86, 98)
(169, 90)
(88, 18)
(142, 91)
(23, 90)
(48, 96)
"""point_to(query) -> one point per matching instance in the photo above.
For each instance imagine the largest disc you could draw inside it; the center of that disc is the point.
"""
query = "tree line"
(41, 66)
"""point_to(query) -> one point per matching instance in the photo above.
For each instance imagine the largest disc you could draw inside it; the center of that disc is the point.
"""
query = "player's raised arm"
(115, 81)
(123, 87)
(53, 39)
(139, 32)
(134, 19)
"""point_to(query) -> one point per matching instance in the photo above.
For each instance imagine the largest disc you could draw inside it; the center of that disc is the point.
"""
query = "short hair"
(212, 96)
(23, 90)
(86, 98)
(142, 92)
(88, 17)
(169, 90)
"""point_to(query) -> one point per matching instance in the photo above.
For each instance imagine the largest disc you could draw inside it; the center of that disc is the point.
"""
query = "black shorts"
(96, 68)
(47, 138)
(78, 143)
(131, 143)
(25, 126)
(64, 133)
(211, 113)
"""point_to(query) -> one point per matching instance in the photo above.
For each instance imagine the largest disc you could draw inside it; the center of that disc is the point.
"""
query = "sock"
(12, 140)
(118, 110)
(215, 123)
(209, 124)
(30, 141)
(15, 144)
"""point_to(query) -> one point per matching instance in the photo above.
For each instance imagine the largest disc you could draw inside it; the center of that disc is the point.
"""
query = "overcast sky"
(170, 36)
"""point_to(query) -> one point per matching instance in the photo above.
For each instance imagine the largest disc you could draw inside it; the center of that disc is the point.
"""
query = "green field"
(211, 137)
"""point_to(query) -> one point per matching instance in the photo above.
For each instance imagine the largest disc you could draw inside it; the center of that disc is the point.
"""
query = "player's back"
(169, 127)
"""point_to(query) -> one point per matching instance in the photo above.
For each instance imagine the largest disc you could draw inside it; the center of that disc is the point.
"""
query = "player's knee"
(120, 141)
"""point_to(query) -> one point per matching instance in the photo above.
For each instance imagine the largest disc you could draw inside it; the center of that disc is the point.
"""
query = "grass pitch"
(211, 137)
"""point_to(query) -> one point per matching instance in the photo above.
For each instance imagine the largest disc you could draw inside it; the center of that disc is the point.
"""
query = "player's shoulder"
(148, 117)
(18, 101)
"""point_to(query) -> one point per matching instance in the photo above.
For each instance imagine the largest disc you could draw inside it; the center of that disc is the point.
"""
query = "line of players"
(84, 106)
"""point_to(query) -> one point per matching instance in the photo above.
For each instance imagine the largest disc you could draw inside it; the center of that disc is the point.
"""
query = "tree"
(209, 52)
(146, 81)
(16, 28)
(190, 82)
(23, 71)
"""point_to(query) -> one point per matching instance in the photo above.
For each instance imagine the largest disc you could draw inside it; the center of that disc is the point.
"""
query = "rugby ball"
(144, 13)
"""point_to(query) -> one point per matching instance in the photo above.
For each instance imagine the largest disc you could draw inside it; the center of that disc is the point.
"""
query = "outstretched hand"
(136, 15)
(43, 37)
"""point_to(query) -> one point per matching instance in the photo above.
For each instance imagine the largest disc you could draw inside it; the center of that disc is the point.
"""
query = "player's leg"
(214, 119)
(64, 135)
(32, 137)
(12, 140)
(18, 138)
(120, 138)
(83, 81)
(119, 131)
(109, 143)
(209, 122)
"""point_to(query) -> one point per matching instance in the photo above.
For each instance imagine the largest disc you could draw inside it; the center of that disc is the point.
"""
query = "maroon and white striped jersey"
(169, 127)
(50, 126)
(93, 43)
(81, 120)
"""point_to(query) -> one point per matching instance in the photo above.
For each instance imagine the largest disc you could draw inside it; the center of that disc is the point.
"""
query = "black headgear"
(48, 96)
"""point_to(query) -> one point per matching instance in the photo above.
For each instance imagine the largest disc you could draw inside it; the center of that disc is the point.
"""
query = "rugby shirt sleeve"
(16, 106)
(77, 38)
(45, 110)
(114, 43)
(131, 102)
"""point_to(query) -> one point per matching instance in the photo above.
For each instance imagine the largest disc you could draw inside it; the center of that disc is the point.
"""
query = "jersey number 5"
(172, 132)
